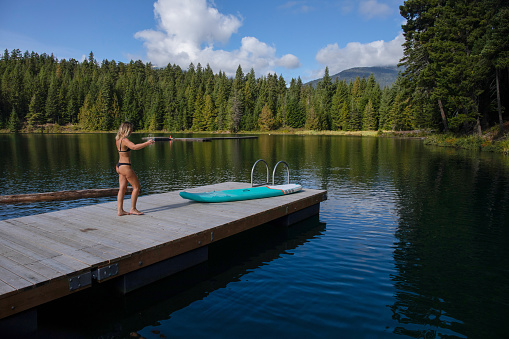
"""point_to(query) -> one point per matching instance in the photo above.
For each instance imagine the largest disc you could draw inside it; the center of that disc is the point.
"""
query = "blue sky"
(290, 38)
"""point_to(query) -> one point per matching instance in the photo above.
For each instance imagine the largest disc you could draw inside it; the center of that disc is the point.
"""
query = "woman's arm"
(135, 147)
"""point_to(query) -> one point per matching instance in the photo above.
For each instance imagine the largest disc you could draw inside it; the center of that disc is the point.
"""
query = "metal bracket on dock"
(105, 272)
(79, 281)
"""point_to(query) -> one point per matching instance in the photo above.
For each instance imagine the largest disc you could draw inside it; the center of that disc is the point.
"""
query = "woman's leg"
(135, 183)
(122, 188)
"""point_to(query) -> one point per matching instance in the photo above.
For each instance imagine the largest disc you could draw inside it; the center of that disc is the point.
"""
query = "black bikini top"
(127, 150)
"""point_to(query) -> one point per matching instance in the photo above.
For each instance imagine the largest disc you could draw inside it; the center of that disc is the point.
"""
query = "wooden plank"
(141, 229)
(191, 216)
(34, 265)
(79, 229)
(50, 257)
(22, 271)
(13, 280)
(35, 236)
(62, 241)
(86, 229)
(126, 236)
(4, 287)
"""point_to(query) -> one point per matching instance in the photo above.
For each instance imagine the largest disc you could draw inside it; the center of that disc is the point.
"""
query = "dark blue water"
(412, 241)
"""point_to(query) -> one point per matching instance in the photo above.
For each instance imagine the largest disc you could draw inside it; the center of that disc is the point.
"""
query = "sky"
(290, 38)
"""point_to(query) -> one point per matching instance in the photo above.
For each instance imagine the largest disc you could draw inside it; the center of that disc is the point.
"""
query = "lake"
(413, 240)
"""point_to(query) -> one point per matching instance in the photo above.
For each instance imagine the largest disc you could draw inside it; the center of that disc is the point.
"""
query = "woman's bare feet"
(136, 212)
(122, 212)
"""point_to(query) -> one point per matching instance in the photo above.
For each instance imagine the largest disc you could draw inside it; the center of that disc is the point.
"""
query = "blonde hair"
(125, 130)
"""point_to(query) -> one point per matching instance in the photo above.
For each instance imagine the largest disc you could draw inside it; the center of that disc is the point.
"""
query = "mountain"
(384, 75)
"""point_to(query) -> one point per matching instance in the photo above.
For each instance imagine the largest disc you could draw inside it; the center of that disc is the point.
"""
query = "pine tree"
(52, 102)
(236, 111)
(340, 98)
(325, 92)
(496, 49)
(209, 114)
(386, 101)
(369, 120)
(14, 124)
(34, 116)
(296, 116)
(199, 123)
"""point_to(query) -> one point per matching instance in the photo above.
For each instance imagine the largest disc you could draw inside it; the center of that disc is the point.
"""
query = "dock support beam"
(300, 215)
(147, 275)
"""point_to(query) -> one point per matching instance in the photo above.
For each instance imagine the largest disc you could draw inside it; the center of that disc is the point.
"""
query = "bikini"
(120, 151)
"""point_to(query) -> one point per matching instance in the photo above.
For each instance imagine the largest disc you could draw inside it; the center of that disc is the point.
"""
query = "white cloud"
(289, 61)
(188, 30)
(372, 8)
(355, 54)
(296, 6)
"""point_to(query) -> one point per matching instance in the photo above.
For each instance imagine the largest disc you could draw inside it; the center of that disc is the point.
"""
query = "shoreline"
(490, 141)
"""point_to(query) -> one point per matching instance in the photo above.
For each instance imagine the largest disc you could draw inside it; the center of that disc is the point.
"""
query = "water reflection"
(451, 254)
(415, 244)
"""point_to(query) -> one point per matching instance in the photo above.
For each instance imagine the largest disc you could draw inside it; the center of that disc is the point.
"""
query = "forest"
(455, 79)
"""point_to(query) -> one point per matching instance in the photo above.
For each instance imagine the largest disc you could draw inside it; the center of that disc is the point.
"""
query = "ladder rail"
(287, 171)
(273, 172)
(252, 172)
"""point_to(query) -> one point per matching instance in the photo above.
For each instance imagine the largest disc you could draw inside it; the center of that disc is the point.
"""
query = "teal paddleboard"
(242, 193)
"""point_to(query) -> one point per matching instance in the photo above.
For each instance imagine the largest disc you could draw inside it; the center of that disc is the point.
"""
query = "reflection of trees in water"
(451, 256)
(229, 260)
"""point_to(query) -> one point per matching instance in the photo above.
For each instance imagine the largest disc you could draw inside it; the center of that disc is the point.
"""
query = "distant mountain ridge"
(384, 75)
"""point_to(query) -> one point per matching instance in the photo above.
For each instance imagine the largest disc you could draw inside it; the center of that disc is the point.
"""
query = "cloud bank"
(355, 54)
(188, 31)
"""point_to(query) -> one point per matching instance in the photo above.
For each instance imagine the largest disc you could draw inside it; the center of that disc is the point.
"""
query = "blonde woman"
(124, 170)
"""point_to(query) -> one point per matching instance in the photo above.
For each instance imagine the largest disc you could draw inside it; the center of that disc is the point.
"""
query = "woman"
(124, 170)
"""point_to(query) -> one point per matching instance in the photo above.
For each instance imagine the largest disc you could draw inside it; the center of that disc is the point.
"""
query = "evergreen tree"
(369, 119)
(14, 123)
(236, 110)
(388, 95)
(34, 116)
(325, 92)
(199, 123)
(52, 101)
(496, 49)
(339, 120)
(209, 114)
(296, 115)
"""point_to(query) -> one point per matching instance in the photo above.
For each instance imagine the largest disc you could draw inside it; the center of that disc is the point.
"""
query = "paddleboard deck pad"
(242, 193)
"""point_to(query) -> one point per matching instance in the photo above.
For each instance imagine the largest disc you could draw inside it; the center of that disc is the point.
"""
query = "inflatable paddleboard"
(242, 193)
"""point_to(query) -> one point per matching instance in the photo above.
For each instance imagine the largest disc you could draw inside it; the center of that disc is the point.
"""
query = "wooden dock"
(48, 256)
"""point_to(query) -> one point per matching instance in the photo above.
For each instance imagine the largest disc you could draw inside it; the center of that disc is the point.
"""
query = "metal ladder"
(273, 172)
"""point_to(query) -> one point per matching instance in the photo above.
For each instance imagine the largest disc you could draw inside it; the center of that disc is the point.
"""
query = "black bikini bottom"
(123, 163)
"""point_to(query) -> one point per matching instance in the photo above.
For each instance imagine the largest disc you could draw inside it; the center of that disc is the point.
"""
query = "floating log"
(192, 139)
(226, 138)
(197, 139)
(59, 196)
(158, 138)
